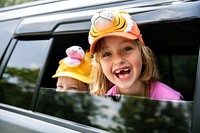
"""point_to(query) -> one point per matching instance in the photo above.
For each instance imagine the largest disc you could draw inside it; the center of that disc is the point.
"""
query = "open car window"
(173, 60)
(113, 113)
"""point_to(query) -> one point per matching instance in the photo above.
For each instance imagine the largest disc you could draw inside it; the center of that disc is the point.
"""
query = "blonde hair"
(100, 84)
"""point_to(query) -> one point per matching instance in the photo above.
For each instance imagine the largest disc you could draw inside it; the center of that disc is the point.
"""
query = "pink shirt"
(158, 91)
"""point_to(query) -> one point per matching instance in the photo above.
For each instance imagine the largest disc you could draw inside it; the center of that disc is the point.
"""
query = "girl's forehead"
(105, 45)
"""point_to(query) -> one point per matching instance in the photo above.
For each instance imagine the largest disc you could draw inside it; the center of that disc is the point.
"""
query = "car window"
(173, 66)
(19, 79)
(127, 115)
(114, 116)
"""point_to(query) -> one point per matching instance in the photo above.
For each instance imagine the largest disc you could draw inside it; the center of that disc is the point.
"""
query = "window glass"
(19, 79)
(127, 115)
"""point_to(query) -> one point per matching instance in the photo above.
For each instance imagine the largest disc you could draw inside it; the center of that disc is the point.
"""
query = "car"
(34, 37)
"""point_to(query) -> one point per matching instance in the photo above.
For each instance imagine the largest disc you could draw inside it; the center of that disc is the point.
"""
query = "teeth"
(117, 71)
(126, 70)
(123, 76)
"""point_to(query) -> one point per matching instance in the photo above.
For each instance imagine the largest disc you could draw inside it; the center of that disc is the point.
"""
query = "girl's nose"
(118, 60)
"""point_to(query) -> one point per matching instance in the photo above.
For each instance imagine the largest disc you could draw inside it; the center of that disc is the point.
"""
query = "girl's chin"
(124, 87)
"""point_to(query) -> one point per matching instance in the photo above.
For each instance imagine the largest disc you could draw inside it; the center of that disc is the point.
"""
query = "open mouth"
(122, 73)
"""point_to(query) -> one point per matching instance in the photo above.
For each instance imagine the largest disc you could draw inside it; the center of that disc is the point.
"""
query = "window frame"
(195, 128)
(40, 76)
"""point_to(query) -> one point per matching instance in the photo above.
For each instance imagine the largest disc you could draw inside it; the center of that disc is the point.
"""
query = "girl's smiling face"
(121, 63)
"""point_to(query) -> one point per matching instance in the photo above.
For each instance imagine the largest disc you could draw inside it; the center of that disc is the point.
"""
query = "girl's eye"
(127, 49)
(59, 88)
(72, 88)
(106, 54)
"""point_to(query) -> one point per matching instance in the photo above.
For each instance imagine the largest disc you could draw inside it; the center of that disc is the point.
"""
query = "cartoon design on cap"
(75, 55)
(107, 21)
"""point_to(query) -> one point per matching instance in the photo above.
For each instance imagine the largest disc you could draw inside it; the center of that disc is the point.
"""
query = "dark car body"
(34, 37)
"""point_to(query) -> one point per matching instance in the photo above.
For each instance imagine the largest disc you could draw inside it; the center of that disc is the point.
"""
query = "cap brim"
(80, 77)
(117, 34)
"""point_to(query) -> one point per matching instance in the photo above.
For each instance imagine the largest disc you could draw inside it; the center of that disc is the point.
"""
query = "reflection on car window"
(129, 115)
(19, 79)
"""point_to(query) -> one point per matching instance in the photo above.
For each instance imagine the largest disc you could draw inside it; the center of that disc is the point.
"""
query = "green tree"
(5, 3)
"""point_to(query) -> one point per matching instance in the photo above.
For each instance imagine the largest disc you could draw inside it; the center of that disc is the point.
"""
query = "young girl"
(73, 72)
(121, 57)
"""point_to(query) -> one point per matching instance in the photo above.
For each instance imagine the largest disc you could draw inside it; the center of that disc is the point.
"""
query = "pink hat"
(112, 23)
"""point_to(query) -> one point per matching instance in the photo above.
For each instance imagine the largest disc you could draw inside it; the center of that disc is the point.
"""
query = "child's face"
(67, 83)
(121, 62)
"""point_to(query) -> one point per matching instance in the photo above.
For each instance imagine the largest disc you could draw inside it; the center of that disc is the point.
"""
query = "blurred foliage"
(22, 74)
(17, 86)
(5, 3)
